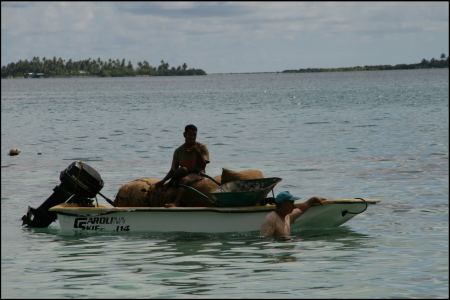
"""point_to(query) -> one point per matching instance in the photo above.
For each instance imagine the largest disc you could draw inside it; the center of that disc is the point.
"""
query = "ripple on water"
(400, 244)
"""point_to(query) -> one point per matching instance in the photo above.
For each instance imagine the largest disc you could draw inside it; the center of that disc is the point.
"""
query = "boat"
(103, 219)
(238, 206)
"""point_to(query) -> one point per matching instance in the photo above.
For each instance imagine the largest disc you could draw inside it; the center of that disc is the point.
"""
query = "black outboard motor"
(79, 183)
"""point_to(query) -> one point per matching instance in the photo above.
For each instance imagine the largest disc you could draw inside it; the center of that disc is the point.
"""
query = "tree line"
(58, 67)
(424, 64)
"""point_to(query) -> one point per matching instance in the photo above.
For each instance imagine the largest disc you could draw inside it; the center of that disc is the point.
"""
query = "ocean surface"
(379, 134)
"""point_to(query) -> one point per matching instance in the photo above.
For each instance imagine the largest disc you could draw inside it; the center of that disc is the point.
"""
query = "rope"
(108, 200)
(344, 212)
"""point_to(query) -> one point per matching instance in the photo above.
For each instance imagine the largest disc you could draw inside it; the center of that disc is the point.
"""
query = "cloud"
(51, 17)
(222, 34)
(183, 9)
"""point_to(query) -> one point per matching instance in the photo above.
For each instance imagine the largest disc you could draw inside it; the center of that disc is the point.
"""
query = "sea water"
(379, 134)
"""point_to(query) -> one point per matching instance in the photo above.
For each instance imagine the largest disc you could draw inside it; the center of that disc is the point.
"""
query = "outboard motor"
(79, 183)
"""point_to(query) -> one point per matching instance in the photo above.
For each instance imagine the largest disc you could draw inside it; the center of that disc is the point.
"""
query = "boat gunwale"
(77, 210)
(243, 209)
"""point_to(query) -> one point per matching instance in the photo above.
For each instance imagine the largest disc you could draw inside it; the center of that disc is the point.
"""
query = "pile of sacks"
(141, 192)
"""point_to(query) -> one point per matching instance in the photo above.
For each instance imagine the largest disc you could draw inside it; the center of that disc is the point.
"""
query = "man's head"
(285, 201)
(190, 134)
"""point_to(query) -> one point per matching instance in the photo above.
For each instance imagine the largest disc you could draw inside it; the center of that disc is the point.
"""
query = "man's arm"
(171, 171)
(301, 208)
(313, 201)
(167, 177)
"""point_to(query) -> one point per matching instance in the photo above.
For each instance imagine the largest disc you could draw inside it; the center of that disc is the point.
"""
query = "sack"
(229, 175)
(136, 193)
(141, 192)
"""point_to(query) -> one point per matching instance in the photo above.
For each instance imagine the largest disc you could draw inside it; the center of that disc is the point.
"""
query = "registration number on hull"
(101, 223)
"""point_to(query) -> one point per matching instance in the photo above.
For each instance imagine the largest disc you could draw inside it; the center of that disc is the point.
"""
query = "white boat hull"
(75, 220)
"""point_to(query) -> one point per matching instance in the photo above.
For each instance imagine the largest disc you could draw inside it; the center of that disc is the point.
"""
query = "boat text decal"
(98, 223)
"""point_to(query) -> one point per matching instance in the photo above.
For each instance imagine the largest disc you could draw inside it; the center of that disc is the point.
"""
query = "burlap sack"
(229, 175)
(141, 192)
(218, 178)
(136, 193)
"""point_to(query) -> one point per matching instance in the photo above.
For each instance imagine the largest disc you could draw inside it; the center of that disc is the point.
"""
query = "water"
(358, 134)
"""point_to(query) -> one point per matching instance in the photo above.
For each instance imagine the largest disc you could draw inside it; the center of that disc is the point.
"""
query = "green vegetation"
(424, 64)
(58, 67)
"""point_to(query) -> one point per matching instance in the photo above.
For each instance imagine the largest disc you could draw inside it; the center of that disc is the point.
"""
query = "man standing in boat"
(278, 222)
(188, 163)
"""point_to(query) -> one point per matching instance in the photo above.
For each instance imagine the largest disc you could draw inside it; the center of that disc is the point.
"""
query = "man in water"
(188, 163)
(278, 222)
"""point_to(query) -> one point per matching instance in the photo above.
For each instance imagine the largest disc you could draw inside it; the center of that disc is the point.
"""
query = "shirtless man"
(278, 222)
(188, 163)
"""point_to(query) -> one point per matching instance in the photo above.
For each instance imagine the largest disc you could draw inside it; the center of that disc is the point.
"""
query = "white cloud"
(214, 32)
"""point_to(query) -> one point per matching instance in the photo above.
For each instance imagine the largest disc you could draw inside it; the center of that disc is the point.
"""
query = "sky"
(228, 37)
